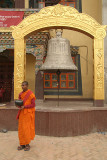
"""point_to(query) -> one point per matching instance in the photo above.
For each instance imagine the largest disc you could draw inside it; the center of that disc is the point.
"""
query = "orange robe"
(26, 124)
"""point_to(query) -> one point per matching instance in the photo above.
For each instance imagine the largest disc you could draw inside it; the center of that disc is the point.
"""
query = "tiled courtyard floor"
(87, 147)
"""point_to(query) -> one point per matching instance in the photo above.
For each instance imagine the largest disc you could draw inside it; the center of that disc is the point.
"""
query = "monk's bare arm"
(32, 105)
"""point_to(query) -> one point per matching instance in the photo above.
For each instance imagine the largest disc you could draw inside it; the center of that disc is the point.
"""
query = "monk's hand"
(17, 106)
(22, 107)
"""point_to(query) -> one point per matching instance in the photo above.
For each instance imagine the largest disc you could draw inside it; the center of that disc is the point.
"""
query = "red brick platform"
(67, 119)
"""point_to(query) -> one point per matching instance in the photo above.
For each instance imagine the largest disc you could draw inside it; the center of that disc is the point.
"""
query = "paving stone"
(87, 147)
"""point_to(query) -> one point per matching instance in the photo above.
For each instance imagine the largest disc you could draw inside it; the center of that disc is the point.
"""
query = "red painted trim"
(67, 3)
(50, 74)
(42, 3)
(67, 79)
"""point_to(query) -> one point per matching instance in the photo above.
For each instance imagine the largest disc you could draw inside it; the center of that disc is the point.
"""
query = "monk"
(26, 117)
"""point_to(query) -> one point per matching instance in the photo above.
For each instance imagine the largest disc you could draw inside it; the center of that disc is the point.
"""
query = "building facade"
(78, 85)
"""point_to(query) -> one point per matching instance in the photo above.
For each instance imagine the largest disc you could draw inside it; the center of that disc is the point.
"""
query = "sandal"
(20, 147)
(27, 147)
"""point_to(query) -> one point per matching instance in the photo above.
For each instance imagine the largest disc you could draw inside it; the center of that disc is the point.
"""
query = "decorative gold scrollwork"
(63, 16)
(19, 55)
(99, 69)
(59, 15)
(100, 33)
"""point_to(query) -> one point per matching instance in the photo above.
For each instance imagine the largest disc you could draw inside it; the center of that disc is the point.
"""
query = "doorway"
(6, 77)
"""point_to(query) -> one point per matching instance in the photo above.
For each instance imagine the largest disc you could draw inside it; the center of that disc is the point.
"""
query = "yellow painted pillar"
(19, 65)
(26, 3)
(98, 72)
(99, 68)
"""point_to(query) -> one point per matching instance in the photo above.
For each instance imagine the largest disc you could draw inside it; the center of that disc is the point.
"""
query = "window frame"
(71, 80)
(42, 3)
(63, 3)
(50, 80)
(67, 80)
(47, 80)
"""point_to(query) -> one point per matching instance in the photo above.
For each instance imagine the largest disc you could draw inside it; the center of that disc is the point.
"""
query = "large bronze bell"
(58, 55)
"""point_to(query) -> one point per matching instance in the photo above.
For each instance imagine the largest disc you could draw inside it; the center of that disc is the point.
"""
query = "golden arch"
(60, 16)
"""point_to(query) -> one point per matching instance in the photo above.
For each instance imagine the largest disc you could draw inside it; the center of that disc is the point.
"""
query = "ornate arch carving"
(58, 15)
(62, 16)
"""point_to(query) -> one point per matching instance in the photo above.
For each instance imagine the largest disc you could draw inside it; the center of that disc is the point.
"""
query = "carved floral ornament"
(58, 15)
(99, 68)
(63, 16)
(101, 33)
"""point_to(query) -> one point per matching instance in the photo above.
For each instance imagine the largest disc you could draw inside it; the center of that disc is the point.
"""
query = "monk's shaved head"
(25, 86)
(25, 82)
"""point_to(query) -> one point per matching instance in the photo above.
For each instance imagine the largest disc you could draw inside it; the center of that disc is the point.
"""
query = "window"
(68, 3)
(41, 4)
(7, 4)
(50, 80)
(36, 4)
(70, 83)
(44, 3)
(67, 80)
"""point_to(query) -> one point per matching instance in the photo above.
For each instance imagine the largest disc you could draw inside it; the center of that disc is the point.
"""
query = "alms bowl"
(19, 102)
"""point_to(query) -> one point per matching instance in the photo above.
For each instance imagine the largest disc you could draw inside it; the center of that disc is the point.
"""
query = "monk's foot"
(27, 147)
(20, 147)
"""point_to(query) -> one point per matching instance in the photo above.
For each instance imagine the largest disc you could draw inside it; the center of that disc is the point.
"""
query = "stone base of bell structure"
(69, 119)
